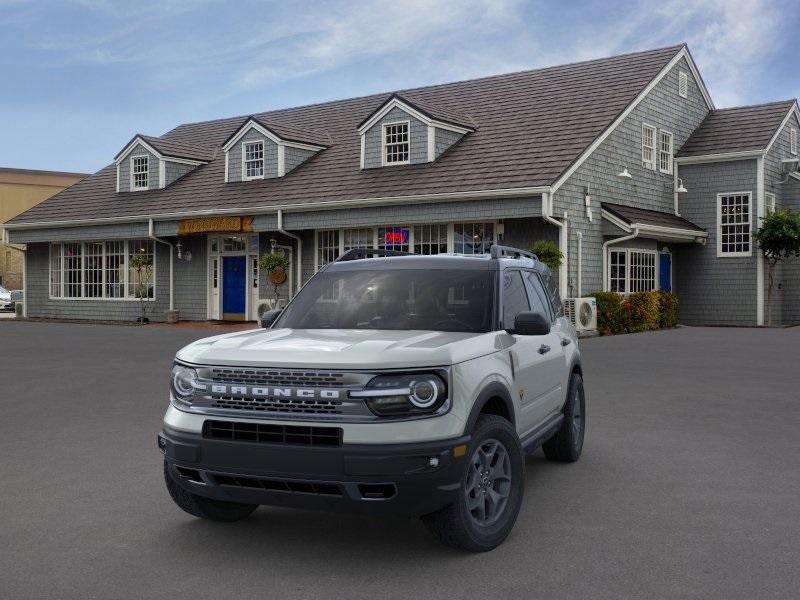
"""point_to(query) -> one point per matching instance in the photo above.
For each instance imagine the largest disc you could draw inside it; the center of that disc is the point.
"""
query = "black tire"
(205, 508)
(567, 444)
(455, 525)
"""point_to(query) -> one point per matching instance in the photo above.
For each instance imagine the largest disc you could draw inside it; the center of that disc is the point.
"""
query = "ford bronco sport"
(391, 383)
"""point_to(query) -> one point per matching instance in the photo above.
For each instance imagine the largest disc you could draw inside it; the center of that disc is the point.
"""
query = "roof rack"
(359, 253)
(509, 252)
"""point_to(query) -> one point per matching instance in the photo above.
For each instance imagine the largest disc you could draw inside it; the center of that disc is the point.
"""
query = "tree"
(547, 251)
(779, 239)
(142, 265)
(275, 265)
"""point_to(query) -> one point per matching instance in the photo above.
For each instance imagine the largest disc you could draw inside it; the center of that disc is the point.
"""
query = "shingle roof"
(287, 132)
(431, 111)
(739, 129)
(530, 127)
(174, 148)
(631, 215)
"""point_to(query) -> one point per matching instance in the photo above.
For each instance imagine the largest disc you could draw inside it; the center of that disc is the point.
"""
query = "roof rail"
(359, 253)
(509, 252)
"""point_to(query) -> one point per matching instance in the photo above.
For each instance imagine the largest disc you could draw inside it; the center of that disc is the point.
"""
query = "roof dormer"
(402, 131)
(259, 150)
(148, 163)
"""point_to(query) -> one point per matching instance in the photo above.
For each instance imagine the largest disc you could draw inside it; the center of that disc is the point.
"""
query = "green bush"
(640, 311)
(547, 252)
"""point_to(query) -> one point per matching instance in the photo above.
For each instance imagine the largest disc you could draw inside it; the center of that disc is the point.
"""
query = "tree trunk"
(770, 270)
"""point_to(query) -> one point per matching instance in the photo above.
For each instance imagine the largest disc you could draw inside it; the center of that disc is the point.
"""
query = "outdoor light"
(625, 174)
(680, 189)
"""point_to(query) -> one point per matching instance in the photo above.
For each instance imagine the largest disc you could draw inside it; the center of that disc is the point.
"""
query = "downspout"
(605, 253)
(675, 188)
(580, 264)
(299, 267)
(563, 270)
(152, 236)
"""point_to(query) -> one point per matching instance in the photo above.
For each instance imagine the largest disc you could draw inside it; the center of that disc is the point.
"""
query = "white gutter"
(563, 270)
(152, 236)
(605, 253)
(580, 265)
(675, 187)
(299, 261)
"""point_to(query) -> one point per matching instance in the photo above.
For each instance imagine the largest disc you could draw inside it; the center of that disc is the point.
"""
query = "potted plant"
(275, 265)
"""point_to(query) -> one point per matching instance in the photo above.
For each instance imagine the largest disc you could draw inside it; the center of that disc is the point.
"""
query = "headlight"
(404, 395)
(183, 381)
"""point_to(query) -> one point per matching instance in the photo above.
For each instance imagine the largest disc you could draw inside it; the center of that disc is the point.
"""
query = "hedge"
(640, 311)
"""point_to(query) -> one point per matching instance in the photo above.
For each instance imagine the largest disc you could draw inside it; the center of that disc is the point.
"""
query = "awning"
(653, 224)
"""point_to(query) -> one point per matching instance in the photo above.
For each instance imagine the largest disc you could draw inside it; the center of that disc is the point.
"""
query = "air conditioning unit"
(582, 312)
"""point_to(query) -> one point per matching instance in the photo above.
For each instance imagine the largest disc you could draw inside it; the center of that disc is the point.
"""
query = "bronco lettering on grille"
(274, 392)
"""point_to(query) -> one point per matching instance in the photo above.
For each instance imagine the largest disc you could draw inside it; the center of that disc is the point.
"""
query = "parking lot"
(688, 488)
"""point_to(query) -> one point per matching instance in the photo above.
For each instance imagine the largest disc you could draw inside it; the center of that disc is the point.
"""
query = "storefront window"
(430, 239)
(394, 238)
(472, 238)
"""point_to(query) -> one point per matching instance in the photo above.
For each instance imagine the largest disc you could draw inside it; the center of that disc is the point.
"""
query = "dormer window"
(396, 148)
(253, 153)
(140, 170)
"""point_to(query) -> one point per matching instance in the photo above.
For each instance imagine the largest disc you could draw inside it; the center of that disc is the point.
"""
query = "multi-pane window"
(665, 152)
(327, 246)
(395, 143)
(648, 146)
(140, 280)
(430, 239)
(253, 160)
(140, 167)
(97, 270)
(793, 140)
(683, 84)
(769, 200)
(358, 238)
(734, 224)
(472, 238)
(631, 271)
(394, 238)
(234, 243)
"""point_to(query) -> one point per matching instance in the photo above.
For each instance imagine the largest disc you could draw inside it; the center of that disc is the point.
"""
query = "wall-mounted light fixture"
(624, 174)
(185, 255)
(680, 189)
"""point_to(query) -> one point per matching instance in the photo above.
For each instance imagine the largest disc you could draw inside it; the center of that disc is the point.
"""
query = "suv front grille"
(278, 405)
(281, 485)
(276, 377)
(272, 434)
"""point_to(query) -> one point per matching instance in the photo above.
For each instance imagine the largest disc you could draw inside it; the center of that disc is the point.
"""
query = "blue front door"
(234, 270)
(665, 272)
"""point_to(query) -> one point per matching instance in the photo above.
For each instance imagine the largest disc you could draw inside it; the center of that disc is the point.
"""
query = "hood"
(339, 348)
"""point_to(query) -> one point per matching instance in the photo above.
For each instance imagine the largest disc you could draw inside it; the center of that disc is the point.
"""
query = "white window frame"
(384, 126)
(683, 84)
(245, 177)
(104, 298)
(665, 156)
(627, 276)
(649, 164)
(769, 202)
(133, 159)
(793, 141)
(411, 235)
(720, 253)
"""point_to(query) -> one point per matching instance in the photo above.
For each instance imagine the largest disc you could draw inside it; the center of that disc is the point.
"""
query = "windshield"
(3, 290)
(439, 300)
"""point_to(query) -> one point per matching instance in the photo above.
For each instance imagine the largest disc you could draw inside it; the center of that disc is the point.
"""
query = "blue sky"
(81, 77)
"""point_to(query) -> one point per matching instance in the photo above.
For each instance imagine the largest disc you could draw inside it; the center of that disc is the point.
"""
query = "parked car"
(5, 299)
(400, 384)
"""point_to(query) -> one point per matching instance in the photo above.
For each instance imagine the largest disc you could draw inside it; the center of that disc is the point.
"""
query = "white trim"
(299, 207)
(251, 124)
(397, 103)
(431, 143)
(281, 160)
(183, 161)
(652, 166)
(793, 141)
(722, 157)
(720, 253)
(669, 169)
(770, 205)
(263, 160)
(627, 251)
(683, 84)
(227, 178)
(657, 231)
(407, 122)
(138, 140)
(363, 147)
(162, 173)
(118, 179)
(758, 252)
(134, 188)
(683, 53)
(794, 110)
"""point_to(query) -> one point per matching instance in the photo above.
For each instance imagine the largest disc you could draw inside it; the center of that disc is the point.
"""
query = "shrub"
(644, 311)
(668, 309)
(547, 252)
(640, 311)
(610, 314)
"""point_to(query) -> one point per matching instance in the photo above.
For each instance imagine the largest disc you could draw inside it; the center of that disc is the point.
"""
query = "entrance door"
(234, 280)
(665, 272)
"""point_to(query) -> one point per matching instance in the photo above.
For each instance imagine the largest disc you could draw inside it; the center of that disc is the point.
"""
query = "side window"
(515, 298)
(539, 302)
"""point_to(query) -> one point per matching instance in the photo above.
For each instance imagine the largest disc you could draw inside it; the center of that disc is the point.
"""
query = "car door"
(554, 367)
(530, 358)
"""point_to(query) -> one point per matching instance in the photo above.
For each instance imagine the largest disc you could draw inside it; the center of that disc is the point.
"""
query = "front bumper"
(406, 479)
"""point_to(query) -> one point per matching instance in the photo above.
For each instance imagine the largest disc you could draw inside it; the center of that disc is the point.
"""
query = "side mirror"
(269, 317)
(531, 323)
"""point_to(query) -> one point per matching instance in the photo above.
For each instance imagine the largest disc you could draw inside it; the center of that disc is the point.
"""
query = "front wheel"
(491, 490)
(567, 443)
(205, 508)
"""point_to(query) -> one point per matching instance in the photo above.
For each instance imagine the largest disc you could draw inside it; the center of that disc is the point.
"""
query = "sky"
(81, 77)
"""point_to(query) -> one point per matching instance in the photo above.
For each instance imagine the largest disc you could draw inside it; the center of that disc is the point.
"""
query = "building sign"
(215, 224)
(396, 236)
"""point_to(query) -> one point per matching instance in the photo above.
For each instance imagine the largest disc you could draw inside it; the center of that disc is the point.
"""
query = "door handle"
(544, 349)
(566, 341)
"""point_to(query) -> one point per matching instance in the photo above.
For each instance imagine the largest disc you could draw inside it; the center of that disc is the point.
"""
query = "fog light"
(433, 461)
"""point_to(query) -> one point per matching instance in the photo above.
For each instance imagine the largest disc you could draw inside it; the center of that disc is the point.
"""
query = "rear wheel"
(205, 508)
(566, 445)
(491, 490)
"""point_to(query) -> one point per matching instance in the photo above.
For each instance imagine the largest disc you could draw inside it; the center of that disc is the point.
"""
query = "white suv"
(391, 383)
